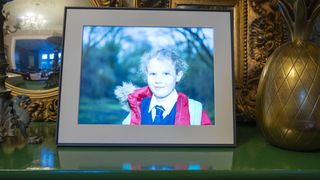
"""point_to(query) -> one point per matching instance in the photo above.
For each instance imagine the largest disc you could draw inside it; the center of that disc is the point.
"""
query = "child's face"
(162, 77)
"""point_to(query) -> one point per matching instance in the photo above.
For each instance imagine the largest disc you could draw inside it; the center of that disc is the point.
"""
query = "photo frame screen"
(111, 61)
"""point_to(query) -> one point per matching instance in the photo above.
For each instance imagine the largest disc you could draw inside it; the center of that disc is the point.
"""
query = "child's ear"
(179, 76)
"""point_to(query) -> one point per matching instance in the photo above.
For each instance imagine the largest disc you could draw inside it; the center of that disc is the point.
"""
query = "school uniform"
(177, 109)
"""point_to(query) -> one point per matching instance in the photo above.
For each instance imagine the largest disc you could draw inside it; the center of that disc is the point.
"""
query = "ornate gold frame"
(106, 3)
(43, 105)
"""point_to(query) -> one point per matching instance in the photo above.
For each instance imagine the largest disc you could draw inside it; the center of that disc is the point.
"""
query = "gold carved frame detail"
(106, 3)
(43, 105)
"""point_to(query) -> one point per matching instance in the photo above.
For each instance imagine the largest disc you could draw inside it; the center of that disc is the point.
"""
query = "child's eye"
(152, 74)
(166, 74)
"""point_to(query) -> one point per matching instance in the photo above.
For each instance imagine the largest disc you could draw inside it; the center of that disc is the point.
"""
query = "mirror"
(33, 41)
(36, 63)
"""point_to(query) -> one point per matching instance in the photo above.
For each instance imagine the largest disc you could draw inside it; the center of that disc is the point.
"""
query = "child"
(159, 103)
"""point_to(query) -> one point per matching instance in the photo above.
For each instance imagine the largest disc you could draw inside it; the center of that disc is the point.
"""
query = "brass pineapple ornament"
(288, 98)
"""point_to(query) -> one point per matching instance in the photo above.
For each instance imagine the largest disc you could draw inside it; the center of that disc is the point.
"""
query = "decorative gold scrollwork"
(153, 3)
(43, 105)
(266, 33)
(106, 3)
(43, 110)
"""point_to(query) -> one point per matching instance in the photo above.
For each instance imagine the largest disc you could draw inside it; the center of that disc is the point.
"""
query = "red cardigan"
(182, 111)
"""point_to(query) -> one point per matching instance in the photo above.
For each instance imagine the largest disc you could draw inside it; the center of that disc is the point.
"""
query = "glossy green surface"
(252, 158)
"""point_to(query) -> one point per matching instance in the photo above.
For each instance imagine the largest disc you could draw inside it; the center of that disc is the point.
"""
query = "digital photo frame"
(109, 58)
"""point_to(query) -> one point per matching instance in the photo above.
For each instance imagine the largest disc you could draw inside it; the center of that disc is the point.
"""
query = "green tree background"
(111, 56)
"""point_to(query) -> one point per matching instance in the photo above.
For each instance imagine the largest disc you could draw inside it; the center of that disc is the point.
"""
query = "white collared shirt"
(167, 104)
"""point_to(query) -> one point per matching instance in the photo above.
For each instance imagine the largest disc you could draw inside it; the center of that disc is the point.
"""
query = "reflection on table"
(85, 158)
(15, 154)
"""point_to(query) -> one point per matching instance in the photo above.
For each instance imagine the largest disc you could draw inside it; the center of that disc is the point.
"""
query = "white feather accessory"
(122, 93)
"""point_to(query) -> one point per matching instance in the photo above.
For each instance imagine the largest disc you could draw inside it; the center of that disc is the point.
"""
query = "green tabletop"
(252, 158)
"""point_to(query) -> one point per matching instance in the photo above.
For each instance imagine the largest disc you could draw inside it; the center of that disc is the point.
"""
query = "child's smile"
(162, 77)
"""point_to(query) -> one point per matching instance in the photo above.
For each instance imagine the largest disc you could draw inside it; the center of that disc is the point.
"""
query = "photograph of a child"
(159, 103)
(147, 76)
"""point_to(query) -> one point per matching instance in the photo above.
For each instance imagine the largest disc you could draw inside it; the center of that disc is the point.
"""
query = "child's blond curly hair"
(161, 55)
